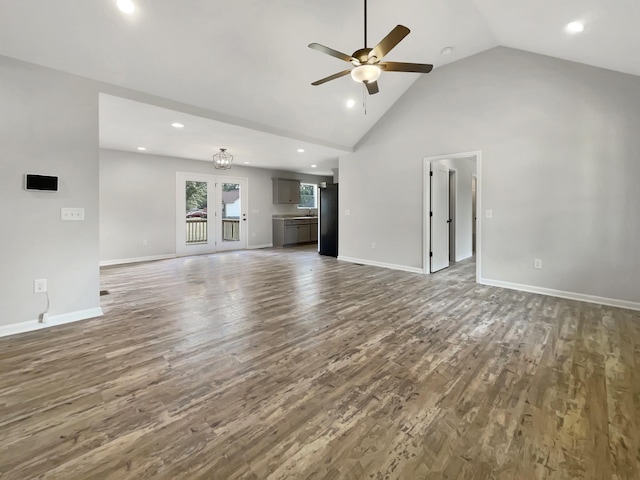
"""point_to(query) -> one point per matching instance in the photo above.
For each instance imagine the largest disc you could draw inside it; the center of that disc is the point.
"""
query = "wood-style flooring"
(282, 364)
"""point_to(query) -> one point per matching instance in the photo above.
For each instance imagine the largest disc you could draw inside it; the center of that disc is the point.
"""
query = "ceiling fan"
(367, 61)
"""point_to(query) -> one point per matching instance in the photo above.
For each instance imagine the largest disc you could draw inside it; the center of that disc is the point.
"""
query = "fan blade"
(372, 87)
(388, 42)
(332, 77)
(331, 51)
(405, 67)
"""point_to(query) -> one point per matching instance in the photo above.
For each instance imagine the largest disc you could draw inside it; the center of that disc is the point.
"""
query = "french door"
(211, 213)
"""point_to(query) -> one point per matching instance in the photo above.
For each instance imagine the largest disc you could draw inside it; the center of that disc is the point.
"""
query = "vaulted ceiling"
(249, 58)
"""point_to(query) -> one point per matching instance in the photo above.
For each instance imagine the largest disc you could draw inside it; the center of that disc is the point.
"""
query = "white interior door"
(439, 217)
(195, 230)
(231, 213)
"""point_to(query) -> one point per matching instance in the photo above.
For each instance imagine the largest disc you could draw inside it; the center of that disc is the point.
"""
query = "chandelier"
(222, 160)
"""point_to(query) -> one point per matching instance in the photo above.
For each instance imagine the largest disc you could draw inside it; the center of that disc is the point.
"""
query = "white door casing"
(426, 223)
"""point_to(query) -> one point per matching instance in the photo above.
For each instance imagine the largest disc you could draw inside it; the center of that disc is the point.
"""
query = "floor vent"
(104, 292)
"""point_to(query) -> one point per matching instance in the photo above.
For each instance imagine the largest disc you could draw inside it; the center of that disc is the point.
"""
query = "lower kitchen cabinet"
(296, 234)
(293, 231)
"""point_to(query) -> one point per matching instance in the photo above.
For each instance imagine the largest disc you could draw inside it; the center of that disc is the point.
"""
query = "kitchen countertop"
(294, 217)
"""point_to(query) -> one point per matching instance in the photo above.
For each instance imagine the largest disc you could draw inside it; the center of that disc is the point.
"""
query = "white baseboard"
(255, 247)
(106, 263)
(53, 321)
(372, 263)
(581, 297)
(464, 257)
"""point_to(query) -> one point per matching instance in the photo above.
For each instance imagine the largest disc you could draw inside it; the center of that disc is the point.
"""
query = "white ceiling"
(127, 125)
(249, 58)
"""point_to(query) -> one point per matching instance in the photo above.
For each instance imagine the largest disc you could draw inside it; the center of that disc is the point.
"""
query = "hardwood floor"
(281, 364)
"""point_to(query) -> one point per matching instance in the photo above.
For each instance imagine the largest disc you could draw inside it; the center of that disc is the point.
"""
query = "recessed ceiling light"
(177, 125)
(301, 150)
(313, 166)
(247, 163)
(126, 6)
(446, 51)
(350, 103)
(142, 149)
(574, 27)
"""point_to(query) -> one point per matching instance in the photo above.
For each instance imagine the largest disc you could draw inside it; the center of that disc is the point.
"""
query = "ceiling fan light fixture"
(126, 6)
(222, 160)
(366, 73)
(575, 27)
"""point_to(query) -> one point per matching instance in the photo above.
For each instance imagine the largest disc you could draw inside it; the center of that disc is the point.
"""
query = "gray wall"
(138, 202)
(560, 167)
(49, 125)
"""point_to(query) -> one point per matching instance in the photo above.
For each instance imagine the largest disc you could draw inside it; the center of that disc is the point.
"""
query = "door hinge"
(431, 174)
(431, 214)
(431, 254)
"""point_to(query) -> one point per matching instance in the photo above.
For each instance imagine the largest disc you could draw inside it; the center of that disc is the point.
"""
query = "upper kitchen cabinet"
(286, 190)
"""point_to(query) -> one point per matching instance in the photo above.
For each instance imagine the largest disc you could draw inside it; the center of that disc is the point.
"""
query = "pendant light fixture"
(222, 160)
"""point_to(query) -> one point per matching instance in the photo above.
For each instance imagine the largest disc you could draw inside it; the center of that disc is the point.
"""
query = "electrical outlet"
(373, 245)
(145, 243)
(72, 214)
(347, 212)
(537, 263)
(40, 285)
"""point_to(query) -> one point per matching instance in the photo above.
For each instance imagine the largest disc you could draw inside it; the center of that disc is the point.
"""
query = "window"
(308, 198)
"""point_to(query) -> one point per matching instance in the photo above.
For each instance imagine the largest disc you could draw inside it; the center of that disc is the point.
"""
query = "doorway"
(452, 195)
(211, 213)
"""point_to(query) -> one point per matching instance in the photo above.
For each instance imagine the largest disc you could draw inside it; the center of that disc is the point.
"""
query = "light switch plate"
(489, 213)
(72, 214)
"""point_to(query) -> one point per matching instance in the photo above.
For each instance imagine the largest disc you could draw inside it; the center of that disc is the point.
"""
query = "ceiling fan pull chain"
(364, 98)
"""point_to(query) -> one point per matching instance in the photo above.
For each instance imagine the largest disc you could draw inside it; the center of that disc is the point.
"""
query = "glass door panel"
(196, 228)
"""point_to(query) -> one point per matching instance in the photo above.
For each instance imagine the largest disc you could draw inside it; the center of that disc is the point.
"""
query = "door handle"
(450, 220)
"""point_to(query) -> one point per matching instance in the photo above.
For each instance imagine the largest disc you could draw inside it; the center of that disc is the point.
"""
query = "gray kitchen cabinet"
(293, 231)
(286, 190)
(313, 231)
(296, 234)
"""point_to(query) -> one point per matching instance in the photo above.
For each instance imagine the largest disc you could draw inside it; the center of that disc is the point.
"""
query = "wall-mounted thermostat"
(40, 182)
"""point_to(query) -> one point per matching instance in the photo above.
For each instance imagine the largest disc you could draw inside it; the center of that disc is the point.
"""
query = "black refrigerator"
(328, 219)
